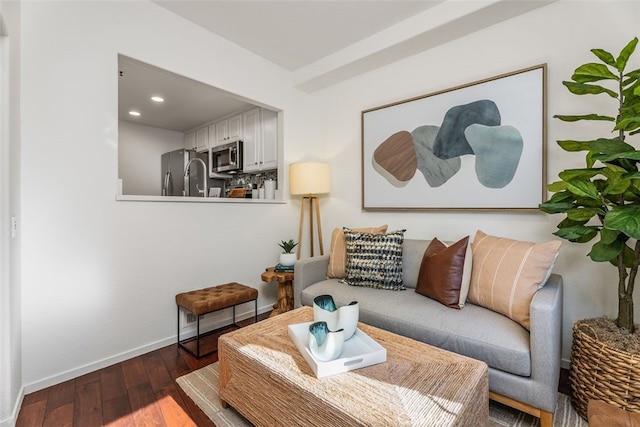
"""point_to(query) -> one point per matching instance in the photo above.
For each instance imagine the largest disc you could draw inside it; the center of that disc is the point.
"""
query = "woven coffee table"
(264, 377)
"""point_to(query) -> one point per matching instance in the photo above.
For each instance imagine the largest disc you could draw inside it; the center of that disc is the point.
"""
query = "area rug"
(202, 387)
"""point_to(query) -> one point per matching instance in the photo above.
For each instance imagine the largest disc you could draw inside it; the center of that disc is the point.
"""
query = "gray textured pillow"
(374, 260)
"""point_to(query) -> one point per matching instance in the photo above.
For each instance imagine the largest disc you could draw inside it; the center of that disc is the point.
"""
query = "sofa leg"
(546, 418)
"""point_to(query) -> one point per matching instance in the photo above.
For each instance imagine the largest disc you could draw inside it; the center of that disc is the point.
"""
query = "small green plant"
(287, 245)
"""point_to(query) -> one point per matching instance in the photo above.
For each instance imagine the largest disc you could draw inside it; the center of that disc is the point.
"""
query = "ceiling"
(293, 34)
(321, 42)
(188, 103)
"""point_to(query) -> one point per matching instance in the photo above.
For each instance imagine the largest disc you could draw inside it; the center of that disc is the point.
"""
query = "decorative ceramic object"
(324, 344)
(287, 259)
(345, 317)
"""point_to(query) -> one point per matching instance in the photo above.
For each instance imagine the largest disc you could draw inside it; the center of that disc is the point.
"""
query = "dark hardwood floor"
(137, 392)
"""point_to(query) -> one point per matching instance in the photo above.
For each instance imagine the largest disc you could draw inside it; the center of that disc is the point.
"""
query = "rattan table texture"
(265, 378)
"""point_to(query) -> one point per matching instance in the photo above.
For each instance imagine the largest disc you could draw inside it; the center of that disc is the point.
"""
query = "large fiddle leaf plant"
(602, 200)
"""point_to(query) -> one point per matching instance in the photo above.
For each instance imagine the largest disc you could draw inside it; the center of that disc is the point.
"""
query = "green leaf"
(569, 174)
(593, 72)
(628, 124)
(581, 214)
(605, 57)
(571, 145)
(627, 51)
(577, 233)
(616, 186)
(555, 207)
(603, 252)
(566, 223)
(610, 146)
(585, 89)
(625, 219)
(631, 175)
(608, 236)
(554, 187)
(570, 118)
(583, 188)
(633, 155)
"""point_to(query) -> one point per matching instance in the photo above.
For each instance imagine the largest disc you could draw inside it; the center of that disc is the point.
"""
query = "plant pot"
(599, 371)
(288, 259)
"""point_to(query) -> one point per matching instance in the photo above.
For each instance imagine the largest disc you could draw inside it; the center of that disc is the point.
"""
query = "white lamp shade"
(309, 178)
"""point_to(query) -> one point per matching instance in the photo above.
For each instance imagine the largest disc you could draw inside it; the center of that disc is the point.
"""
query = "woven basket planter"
(601, 372)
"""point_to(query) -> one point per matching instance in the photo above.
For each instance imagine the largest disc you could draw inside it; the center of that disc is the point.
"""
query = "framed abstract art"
(479, 146)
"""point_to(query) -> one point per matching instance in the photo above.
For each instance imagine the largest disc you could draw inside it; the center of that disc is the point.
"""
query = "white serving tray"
(358, 351)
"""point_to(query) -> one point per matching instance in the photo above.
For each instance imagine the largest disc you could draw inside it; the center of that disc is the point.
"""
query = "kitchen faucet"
(202, 191)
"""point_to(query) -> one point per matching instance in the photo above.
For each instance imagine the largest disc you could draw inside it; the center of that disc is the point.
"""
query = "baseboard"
(11, 420)
(565, 364)
(121, 357)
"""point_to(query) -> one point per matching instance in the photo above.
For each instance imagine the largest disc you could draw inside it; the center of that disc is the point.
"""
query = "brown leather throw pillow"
(441, 272)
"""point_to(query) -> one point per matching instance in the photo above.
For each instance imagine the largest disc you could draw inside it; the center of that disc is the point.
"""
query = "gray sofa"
(524, 367)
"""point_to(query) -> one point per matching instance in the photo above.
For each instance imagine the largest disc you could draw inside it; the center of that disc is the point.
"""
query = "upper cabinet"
(227, 130)
(260, 140)
(197, 140)
(202, 139)
(190, 140)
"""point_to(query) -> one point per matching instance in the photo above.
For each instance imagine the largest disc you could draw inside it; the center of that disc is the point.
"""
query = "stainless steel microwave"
(225, 158)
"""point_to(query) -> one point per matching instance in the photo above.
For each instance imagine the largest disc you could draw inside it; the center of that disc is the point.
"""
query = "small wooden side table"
(285, 289)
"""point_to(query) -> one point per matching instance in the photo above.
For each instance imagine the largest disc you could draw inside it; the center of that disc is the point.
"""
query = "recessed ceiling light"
(157, 99)
(134, 113)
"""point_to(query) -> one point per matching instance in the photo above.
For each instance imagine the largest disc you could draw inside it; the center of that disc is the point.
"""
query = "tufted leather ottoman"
(208, 300)
(604, 414)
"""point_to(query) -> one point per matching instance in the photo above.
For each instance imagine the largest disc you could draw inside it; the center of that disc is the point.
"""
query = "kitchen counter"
(180, 199)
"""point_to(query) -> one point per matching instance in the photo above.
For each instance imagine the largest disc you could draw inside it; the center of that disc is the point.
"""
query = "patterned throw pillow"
(507, 273)
(374, 260)
(338, 252)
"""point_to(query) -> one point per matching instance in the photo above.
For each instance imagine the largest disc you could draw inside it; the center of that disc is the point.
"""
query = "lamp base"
(313, 200)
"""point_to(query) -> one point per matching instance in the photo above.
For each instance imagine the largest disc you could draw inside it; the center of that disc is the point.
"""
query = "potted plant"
(602, 201)
(288, 257)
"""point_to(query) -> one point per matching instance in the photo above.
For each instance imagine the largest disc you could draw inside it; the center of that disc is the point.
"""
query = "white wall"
(100, 276)
(139, 151)
(10, 295)
(551, 35)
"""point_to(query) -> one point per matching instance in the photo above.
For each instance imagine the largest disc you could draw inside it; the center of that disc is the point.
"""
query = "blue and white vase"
(345, 317)
(324, 344)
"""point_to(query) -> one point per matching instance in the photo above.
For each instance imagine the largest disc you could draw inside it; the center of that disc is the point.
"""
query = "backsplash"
(253, 180)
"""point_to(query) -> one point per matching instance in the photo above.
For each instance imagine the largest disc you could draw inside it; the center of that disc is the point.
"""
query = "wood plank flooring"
(138, 392)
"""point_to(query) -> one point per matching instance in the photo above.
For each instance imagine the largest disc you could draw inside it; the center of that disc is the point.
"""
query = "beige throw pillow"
(338, 252)
(507, 273)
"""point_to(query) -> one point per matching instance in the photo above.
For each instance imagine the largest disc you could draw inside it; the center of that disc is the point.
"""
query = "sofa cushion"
(507, 273)
(473, 331)
(442, 272)
(374, 260)
(338, 251)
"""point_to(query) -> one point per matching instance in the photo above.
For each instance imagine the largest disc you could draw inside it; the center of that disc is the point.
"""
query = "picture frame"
(478, 146)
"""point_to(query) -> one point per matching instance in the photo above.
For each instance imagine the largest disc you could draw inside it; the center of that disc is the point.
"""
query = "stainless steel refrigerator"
(174, 182)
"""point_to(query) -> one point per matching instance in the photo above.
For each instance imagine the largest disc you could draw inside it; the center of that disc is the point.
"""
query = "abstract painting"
(476, 146)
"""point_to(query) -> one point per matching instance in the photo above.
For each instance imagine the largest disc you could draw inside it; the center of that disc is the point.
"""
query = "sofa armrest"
(307, 272)
(546, 339)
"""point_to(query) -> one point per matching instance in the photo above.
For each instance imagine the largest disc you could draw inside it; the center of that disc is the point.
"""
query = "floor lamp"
(308, 180)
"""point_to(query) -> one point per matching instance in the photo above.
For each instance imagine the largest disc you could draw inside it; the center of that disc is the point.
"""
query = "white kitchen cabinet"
(190, 141)
(228, 130)
(260, 140)
(269, 139)
(202, 139)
